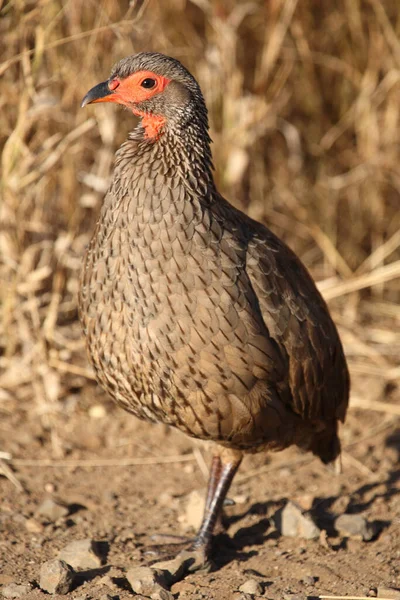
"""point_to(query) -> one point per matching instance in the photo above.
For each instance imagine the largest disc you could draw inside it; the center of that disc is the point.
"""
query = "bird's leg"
(213, 479)
(221, 476)
(223, 469)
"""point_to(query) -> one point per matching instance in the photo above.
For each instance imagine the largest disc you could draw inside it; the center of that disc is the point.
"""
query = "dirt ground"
(123, 505)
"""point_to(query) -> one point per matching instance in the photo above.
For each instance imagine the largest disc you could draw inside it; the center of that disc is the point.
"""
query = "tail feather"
(326, 445)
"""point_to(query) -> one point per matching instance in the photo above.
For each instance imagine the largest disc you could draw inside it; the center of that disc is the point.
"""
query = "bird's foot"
(178, 554)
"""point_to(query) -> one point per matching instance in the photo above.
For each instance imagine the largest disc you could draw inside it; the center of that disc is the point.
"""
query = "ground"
(123, 504)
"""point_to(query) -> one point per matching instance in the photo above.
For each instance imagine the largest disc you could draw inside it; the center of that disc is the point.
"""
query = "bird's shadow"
(82, 577)
(228, 549)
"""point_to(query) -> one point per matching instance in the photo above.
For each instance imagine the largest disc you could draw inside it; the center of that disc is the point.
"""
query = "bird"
(196, 315)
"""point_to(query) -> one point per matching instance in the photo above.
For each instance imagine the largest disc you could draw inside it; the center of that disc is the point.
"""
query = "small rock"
(372, 592)
(173, 570)
(105, 580)
(252, 587)
(98, 411)
(194, 509)
(290, 521)
(146, 580)
(390, 593)
(310, 580)
(305, 501)
(162, 595)
(356, 526)
(33, 526)
(52, 509)
(16, 590)
(82, 554)
(165, 499)
(56, 577)
(240, 498)
(323, 540)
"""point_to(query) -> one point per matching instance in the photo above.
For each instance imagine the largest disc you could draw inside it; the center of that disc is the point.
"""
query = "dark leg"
(213, 479)
(223, 469)
(221, 477)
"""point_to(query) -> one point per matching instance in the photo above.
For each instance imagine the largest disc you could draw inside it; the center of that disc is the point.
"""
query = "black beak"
(97, 93)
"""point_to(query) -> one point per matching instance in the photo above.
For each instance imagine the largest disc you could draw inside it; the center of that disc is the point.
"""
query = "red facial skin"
(129, 90)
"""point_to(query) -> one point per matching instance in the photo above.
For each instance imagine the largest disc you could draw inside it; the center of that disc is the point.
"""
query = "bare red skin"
(129, 90)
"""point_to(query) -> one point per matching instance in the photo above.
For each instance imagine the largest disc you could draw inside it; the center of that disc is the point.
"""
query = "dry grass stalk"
(104, 462)
(7, 472)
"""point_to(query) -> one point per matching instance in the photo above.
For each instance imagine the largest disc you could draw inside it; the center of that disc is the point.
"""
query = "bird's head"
(156, 88)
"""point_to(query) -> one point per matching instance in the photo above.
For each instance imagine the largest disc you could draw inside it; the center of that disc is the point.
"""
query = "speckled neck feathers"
(180, 156)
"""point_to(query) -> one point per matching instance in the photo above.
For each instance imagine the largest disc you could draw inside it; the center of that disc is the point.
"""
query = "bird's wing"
(297, 319)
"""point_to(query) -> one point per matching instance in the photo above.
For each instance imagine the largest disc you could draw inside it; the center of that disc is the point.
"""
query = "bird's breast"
(168, 326)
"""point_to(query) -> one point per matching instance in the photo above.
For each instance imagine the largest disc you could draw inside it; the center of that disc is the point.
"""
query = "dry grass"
(304, 100)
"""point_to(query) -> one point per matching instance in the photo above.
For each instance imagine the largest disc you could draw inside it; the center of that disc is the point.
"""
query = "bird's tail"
(326, 445)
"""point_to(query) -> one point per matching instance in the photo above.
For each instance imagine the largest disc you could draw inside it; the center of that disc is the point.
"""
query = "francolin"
(196, 315)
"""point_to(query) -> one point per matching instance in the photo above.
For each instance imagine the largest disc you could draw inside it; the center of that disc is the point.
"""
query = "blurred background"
(304, 103)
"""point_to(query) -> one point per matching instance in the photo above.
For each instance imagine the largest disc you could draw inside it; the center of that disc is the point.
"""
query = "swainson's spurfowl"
(196, 315)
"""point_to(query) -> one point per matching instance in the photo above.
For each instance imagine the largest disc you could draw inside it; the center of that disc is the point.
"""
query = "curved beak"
(99, 93)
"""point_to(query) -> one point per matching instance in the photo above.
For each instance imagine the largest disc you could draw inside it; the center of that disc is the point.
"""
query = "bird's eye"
(148, 83)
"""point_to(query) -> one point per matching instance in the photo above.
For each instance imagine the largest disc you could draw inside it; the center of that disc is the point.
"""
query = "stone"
(356, 526)
(305, 501)
(290, 521)
(173, 570)
(162, 595)
(252, 587)
(240, 498)
(56, 577)
(34, 526)
(16, 590)
(146, 580)
(105, 580)
(98, 411)
(310, 580)
(52, 510)
(82, 554)
(187, 561)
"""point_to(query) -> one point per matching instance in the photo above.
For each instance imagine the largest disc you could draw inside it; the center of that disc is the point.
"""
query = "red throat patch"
(152, 124)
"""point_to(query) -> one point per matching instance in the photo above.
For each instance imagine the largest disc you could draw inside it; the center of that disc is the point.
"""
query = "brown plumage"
(195, 315)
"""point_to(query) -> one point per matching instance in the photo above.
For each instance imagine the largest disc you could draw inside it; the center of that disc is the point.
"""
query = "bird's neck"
(177, 157)
(161, 184)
